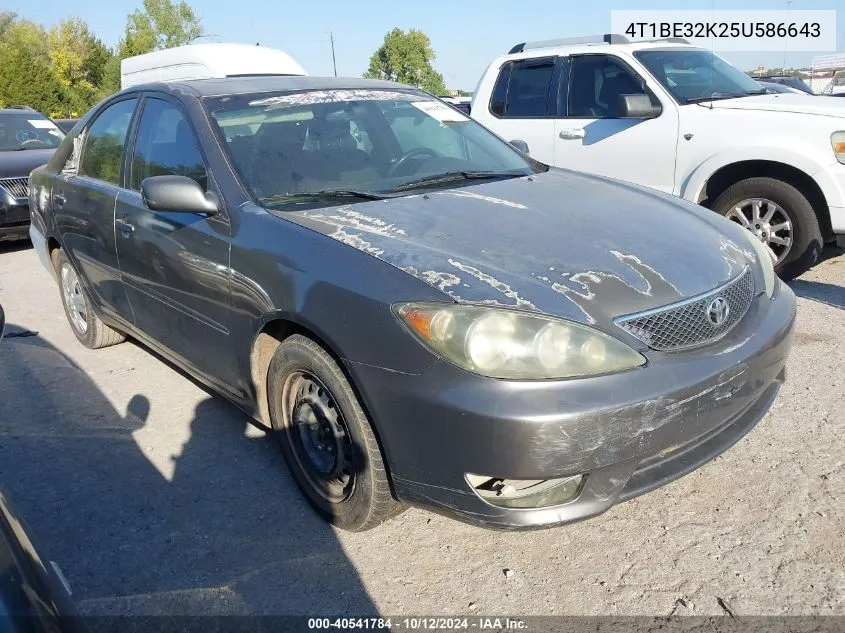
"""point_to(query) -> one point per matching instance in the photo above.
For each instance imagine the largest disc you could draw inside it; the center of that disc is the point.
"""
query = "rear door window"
(524, 89)
(105, 140)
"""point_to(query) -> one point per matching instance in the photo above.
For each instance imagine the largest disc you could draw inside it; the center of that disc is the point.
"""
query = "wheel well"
(268, 340)
(731, 174)
(53, 249)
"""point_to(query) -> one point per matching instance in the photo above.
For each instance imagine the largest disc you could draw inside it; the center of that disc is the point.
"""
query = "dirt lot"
(156, 497)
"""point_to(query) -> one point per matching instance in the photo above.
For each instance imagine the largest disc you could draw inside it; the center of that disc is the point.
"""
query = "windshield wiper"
(761, 91)
(326, 194)
(716, 96)
(451, 176)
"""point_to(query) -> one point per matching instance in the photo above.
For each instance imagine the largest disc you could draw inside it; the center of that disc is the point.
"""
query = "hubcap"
(318, 437)
(768, 221)
(74, 299)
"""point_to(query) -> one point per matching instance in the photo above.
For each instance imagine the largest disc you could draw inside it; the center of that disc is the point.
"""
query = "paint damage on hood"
(562, 243)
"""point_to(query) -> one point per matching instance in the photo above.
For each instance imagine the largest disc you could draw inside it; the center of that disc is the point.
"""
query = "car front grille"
(16, 187)
(694, 321)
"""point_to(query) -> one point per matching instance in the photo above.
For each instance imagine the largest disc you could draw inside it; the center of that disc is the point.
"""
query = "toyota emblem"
(718, 311)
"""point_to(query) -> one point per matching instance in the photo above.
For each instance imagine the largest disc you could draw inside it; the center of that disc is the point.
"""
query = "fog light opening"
(525, 494)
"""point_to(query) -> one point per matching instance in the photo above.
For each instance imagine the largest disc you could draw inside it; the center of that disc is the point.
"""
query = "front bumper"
(629, 432)
(14, 221)
(831, 180)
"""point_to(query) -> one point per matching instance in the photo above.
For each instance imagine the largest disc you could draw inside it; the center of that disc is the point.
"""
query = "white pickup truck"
(681, 120)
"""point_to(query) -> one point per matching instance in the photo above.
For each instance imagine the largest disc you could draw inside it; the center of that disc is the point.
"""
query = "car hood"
(563, 243)
(795, 103)
(19, 164)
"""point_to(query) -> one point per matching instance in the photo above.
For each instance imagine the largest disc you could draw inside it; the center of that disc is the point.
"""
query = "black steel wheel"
(318, 437)
(328, 442)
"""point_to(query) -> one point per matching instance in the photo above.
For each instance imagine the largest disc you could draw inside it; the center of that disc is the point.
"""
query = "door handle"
(59, 199)
(572, 133)
(125, 227)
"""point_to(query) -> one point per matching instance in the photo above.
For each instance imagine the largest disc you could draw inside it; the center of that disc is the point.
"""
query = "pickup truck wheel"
(88, 328)
(780, 216)
(327, 441)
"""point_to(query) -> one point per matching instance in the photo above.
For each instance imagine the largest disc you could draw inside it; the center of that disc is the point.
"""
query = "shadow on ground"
(13, 246)
(229, 534)
(829, 294)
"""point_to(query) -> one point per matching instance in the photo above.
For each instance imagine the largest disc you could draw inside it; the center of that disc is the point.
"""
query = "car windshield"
(693, 75)
(356, 144)
(28, 130)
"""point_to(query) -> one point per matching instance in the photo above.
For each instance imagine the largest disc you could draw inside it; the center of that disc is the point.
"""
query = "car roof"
(596, 47)
(266, 83)
(26, 111)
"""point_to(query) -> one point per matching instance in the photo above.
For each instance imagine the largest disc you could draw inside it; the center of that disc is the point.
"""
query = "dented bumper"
(628, 433)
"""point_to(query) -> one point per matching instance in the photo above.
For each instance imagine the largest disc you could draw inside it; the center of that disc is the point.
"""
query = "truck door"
(524, 104)
(591, 137)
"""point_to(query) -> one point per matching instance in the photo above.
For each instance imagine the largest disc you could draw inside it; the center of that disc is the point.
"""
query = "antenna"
(334, 63)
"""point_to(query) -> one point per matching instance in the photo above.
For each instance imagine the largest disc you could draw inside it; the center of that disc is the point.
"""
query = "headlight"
(837, 141)
(767, 262)
(503, 343)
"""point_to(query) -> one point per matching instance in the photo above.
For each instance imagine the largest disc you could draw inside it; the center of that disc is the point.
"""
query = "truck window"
(595, 84)
(522, 89)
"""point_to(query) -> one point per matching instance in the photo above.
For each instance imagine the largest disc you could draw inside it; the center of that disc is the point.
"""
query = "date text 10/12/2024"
(418, 623)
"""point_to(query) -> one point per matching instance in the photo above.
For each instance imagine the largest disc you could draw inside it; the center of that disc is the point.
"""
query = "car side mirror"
(177, 194)
(520, 145)
(2, 322)
(637, 107)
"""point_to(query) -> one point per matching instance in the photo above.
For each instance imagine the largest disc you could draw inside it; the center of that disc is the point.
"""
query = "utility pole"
(334, 63)
(785, 40)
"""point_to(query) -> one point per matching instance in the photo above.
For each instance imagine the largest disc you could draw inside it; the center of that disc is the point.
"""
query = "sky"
(466, 34)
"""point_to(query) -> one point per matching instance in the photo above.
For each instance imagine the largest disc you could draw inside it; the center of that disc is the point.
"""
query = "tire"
(806, 238)
(313, 408)
(88, 328)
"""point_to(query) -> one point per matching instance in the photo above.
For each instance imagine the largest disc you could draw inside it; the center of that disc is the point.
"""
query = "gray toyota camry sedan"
(422, 314)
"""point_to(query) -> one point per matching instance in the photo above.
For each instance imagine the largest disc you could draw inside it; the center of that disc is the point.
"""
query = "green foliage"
(78, 60)
(65, 71)
(406, 58)
(161, 24)
(27, 76)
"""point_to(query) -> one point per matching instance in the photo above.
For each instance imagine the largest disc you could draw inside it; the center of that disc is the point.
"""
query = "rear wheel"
(779, 216)
(86, 325)
(326, 438)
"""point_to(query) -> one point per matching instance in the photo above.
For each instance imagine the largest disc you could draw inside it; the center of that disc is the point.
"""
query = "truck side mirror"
(637, 107)
(520, 145)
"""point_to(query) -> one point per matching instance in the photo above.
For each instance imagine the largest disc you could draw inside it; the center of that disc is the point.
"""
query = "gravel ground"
(156, 497)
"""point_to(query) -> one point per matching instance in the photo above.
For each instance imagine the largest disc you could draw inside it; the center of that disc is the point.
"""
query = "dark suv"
(27, 140)
(792, 82)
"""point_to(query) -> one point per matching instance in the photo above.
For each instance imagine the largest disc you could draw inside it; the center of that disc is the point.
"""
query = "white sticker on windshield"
(41, 123)
(440, 111)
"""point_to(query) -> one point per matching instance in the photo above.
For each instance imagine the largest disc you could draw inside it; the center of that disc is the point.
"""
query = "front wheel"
(327, 441)
(779, 216)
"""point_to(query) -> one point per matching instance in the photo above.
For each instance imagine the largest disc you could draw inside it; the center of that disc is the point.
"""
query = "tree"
(27, 76)
(406, 58)
(78, 60)
(160, 24)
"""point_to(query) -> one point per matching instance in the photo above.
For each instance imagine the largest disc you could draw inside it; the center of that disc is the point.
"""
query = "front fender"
(692, 187)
